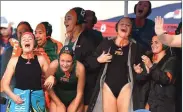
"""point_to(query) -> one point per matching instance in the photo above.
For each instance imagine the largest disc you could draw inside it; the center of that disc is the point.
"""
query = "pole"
(126, 8)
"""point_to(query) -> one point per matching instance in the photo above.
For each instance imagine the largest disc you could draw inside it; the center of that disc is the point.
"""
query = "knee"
(52, 107)
(61, 108)
(57, 107)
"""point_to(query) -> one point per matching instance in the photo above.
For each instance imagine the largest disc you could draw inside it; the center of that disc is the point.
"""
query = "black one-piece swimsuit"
(116, 76)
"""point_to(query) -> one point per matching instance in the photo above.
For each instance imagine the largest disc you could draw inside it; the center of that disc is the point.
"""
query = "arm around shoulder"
(50, 79)
(52, 68)
(43, 63)
(59, 45)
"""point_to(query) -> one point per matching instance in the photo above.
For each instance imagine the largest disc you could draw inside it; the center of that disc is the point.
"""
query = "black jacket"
(95, 35)
(162, 90)
(136, 53)
(85, 46)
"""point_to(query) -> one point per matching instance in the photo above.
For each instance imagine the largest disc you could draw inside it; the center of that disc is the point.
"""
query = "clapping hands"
(138, 69)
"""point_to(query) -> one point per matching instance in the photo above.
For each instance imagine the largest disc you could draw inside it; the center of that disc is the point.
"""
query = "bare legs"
(57, 108)
(123, 100)
(80, 107)
(113, 104)
(109, 100)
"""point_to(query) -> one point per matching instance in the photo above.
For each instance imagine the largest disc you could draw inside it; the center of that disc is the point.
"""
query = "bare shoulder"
(41, 58)
(80, 69)
(14, 58)
(13, 61)
(55, 41)
(54, 64)
(80, 66)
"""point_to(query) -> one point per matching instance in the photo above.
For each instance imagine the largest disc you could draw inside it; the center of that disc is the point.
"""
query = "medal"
(119, 51)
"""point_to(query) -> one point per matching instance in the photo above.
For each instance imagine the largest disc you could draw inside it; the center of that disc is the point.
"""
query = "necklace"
(29, 56)
(123, 43)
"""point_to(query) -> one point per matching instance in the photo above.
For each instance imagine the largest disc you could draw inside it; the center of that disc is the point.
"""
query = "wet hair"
(94, 18)
(80, 12)
(48, 28)
(30, 33)
(67, 49)
(26, 23)
(116, 26)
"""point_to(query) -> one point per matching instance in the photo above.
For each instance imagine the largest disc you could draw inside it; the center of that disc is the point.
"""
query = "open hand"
(159, 22)
(147, 61)
(17, 99)
(137, 68)
(104, 57)
(49, 82)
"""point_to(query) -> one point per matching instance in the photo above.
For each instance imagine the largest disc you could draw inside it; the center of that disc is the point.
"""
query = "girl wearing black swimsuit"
(115, 83)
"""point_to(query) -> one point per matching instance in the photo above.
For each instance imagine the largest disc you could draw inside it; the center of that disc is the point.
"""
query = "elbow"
(1, 87)
(4, 86)
(2, 83)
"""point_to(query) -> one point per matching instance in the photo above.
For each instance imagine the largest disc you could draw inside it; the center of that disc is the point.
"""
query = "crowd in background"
(134, 71)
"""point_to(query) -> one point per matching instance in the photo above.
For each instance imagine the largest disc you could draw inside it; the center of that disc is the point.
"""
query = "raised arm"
(169, 40)
(52, 68)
